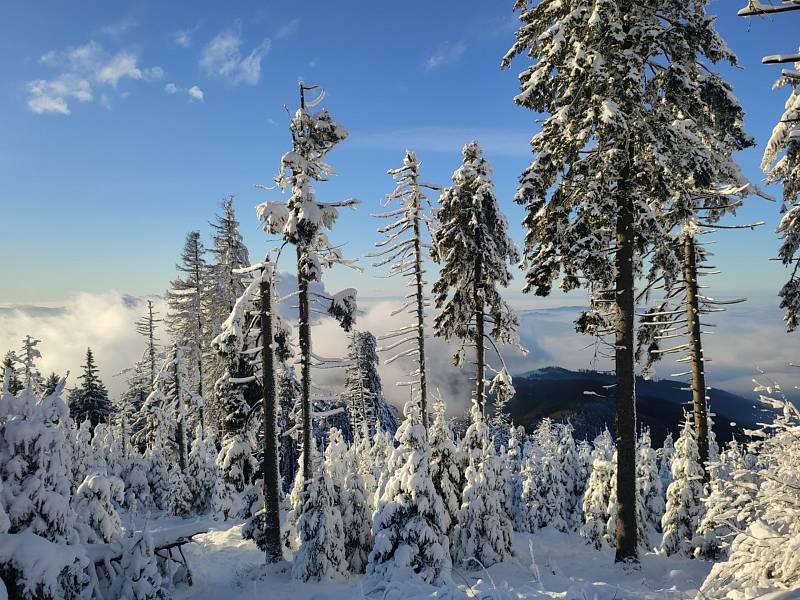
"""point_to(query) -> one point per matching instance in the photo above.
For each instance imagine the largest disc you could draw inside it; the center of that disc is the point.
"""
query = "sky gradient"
(172, 106)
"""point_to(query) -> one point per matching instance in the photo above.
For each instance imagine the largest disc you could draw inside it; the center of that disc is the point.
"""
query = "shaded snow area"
(563, 566)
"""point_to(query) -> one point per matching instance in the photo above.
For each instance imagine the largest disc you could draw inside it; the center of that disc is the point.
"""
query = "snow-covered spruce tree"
(203, 472)
(605, 174)
(302, 220)
(781, 163)
(516, 465)
(31, 377)
(584, 460)
(444, 465)
(137, 487)
(685, 494)
(94, 504)
(89, 401)
(226, 285)
(648, 479)
(404, 250)
(146, 327)
(483, 535)
(567, 454)
(350, 497)
(84, 460)
(289, 424)
(10, 374)
(321, 554)
(763, 557)
(140, 577)
(35, 464)
(410, 522)
(665, 455)
(728, 506)
(245, 345)
(363, 390)
(179, 495)
(185, 321)
(472, 244)
(551, 503)
(599, 492)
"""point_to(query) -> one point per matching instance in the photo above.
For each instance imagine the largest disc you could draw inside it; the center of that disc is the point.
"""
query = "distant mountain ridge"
(561, 394)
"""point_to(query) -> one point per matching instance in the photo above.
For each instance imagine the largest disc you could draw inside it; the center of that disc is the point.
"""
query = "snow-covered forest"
(226, 469)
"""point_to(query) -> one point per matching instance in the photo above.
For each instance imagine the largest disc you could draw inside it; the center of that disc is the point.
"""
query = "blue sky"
(174, 105)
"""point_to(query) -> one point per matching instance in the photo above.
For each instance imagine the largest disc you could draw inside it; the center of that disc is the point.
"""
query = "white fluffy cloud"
(446, 54)
(223, 57)
(104, 322)
(746, 338)
(194, 92)
(82, 68)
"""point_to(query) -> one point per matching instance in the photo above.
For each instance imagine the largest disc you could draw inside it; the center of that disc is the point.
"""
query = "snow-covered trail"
(226, 567)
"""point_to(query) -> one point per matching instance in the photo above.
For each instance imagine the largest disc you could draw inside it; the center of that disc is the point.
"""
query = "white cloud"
(120, 66)
(120, 27)
(104, 322)
(222, 57)
(447, 54)
(288, 29)
(195, 93)
(51, 96)
(82, 68)
(183, 39)
(105, 102)
(154, 74)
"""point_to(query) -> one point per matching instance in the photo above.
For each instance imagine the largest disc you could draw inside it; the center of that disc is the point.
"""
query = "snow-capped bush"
(599, 492)
(320, 554)
(95, 506)
(35, 464)
(684, 496)
(410, 522)
(140, 578)
(482, 536)
(444, 467)
(33, 568)
(764, 556)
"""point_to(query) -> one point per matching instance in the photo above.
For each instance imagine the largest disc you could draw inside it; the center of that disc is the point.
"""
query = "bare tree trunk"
(180, 430)
(699, 404)
(420, 292)
(367, 431)
(271, 468)
(480, 358)
(198, 286)
(626, 529)
(305, 366)
(152, 343)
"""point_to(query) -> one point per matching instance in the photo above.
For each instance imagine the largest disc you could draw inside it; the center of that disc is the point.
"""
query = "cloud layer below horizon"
(744, 341)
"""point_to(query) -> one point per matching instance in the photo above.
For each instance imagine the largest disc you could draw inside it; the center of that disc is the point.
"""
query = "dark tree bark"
(305, 366)
(198, 280)
(626, 530)
(699, 403)
(180, 430)
(480, 353)
(271, 468)
(418, 282)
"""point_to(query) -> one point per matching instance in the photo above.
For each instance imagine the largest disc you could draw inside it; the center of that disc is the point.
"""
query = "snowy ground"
(229, 568)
